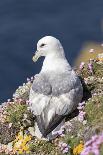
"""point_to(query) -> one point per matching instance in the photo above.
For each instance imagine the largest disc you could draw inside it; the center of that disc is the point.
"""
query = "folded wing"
(52, 98)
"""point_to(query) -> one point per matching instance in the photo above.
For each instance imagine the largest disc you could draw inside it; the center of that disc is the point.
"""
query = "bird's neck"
(55, 63)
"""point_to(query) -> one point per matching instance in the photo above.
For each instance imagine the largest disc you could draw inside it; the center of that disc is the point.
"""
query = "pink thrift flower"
(90, 67)
(81, 65)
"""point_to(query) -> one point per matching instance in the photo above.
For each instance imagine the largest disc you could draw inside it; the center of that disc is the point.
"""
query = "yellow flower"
(20, 143)
(26, 148)
(78, 149)
(20, 137)
(27, 138)
(17, 145)
(20, 151)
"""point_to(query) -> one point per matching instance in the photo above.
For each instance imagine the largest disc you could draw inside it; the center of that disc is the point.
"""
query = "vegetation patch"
(80, 132)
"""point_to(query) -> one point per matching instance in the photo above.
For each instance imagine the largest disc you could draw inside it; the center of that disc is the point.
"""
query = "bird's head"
(46, 46)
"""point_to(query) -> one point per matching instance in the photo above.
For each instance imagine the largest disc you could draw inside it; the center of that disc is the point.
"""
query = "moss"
(44, 148)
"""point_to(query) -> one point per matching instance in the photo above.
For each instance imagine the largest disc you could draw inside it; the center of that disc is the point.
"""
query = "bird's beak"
(36, 56)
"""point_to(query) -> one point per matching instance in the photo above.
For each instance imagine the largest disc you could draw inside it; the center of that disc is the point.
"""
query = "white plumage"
(56, 90)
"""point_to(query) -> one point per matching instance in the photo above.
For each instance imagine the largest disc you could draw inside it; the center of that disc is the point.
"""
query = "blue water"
(24, 22)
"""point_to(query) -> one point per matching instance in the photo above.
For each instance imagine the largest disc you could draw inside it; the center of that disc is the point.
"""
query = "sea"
(24, 22)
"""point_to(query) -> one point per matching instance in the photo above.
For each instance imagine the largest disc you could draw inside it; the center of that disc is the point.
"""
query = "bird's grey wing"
(41, 85)
(45, 130)
(39, 94)
(51, 116)
(57, 109)
(59, 95)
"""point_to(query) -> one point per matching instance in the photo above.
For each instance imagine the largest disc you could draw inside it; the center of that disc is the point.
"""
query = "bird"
(56, 90)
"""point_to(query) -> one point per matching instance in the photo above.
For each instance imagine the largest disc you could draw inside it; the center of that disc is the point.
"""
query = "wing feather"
(51, 100)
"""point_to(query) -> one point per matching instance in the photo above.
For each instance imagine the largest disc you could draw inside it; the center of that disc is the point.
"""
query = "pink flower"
(81, 65)
(90, 67)
(91, 50)
(66, 150)
(64, 147)
(93, 145)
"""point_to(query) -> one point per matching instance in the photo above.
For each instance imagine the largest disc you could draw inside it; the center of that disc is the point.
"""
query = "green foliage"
(44, 148)
(98, 69)
(94, 111)
(72, 141)
(16, 114)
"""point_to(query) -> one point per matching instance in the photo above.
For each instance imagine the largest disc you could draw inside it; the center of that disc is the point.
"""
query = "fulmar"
(56, 90)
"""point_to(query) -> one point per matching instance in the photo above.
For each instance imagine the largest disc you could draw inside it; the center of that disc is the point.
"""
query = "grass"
(94, 110)
(44, 148)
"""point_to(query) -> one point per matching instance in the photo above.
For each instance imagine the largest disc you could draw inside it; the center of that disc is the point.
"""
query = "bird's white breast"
(54, 63)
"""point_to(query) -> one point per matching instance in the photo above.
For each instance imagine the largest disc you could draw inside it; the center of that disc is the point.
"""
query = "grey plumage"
(41, 85)
(56, 83)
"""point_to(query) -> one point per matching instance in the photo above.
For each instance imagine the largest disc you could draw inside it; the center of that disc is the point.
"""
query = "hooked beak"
(36, 56)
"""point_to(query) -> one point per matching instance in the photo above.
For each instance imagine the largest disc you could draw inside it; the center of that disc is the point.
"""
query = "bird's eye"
(42, 45)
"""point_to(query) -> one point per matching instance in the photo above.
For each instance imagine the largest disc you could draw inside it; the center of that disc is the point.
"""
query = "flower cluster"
(3, 113)
(82, 113)
(78, 149)
(65, 148)
(93, 145)
(59, 132)
(68, 126)
(21, 143)
(23, 91)
(10, 104)
(6, 149)
(89, 66)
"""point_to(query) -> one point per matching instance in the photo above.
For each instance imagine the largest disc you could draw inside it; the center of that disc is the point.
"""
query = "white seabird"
(56, 90)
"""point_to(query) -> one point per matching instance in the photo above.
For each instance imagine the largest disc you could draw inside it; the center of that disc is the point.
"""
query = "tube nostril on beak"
(36, 56)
